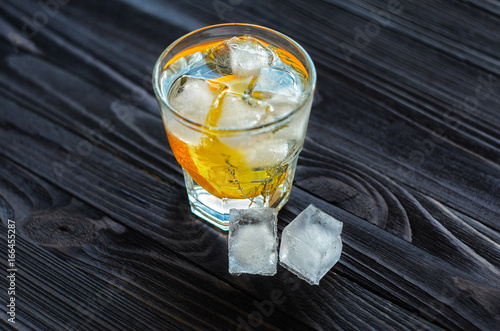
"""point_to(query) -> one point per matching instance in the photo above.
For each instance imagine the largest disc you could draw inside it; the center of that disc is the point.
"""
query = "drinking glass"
(236, 162)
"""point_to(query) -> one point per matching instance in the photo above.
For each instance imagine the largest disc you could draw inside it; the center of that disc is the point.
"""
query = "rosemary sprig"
(265, 187)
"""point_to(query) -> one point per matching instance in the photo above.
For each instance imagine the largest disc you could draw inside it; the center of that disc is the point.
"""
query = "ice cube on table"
(311, 244)
(240, 56)
(192, 97)
(252, 241)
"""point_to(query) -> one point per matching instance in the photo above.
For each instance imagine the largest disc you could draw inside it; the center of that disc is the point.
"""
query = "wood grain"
(403, 146)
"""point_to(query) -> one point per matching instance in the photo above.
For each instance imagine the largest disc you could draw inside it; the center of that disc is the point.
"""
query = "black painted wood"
(403, 146)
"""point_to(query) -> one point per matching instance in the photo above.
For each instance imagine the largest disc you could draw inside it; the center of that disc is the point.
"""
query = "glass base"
(216, 211)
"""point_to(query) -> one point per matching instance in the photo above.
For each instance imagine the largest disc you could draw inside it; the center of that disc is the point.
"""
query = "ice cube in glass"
(240, 56)
(281, 87)
(194, 96)
(235, 112)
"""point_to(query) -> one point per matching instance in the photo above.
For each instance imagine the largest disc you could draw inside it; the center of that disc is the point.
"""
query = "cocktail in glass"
(235, 101)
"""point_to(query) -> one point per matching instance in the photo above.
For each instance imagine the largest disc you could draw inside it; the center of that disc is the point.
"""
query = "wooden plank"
(178, 230)
(417, 154)
(80, 269)
(88, 181)
(85, 149)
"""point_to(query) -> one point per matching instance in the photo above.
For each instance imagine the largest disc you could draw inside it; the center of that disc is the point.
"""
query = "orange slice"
(183, 156)
(207, 167)
(221, 170)
(222, 79)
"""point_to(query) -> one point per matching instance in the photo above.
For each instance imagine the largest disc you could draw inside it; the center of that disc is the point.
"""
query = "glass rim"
(281, 120)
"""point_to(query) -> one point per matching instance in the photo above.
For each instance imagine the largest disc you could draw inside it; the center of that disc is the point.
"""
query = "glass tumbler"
(235, 101)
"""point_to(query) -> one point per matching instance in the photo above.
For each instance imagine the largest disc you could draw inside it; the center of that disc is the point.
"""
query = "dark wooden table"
(403, 146)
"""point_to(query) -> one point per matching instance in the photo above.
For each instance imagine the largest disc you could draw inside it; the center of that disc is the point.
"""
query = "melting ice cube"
(240, 56)
(266, 153)
(253, 241)
(237, 113)
(193, 97)
(311, 244)
(280, 87)
(280, 84)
